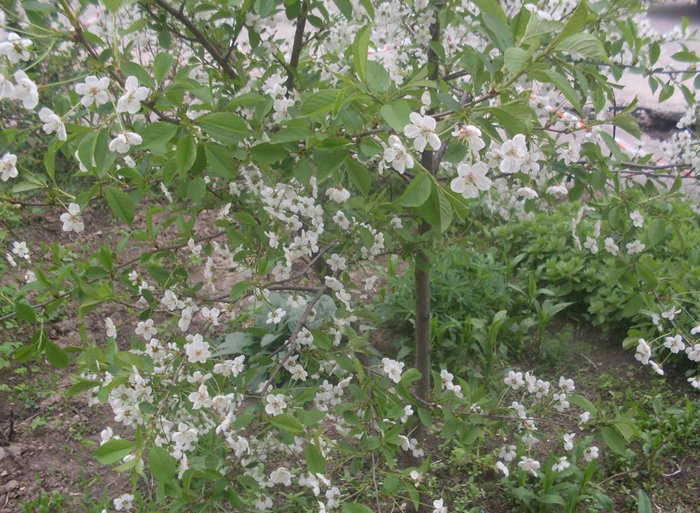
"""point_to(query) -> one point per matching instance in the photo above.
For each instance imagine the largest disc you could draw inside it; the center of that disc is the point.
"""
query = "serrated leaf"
(161, 464)
(355, 507)
(121, 204)
(155, 136)
(196, 189)
(162, 64)
(359, 175)
(417, 192)
(491, 7)
(657, 232)
(113, 451)
(219, 161)
(224, 126)
(396, 115)
(113, 5)
(287, 422)
(81, 386)
(583, 403)
(315, 461)
(240, 288)
(629, 124)
(56, 356)
(319, 102)
(291, 134)
(586, 45)
(515, 59)
(25, 312)
(410, 376)
(313, 417)
(576, 22)
(360, 49)
(497, 31)
(185, 154)
(537, 27)
(445, 211)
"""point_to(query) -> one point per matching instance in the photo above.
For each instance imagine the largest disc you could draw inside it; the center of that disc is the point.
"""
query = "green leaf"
(266, 153)
(162, 64)
(537, 27)
(56, 356)
(313, 417)
(329, 163)
(315, 461)
(445, 211)
(491, 7)
(121, 204)
(410, 376)
(360, 48)
(291, 134)
(396, 115)
(83, 385)
(614, 440)
(633, 306)
(577, 21)
(685, 56)
(515, 59)
(378, 79)
(355, 507)
(233, 344)
(86, 149)
(583, 403)
(358, 175)
(319, 102)
(155, 136)
(553, 498)
(643, 503)
(417, 192)
(223, 126)
(239, 289)
(586, 45)
(133, 69)
(113, 451)
(162, 464)
(287, 422)
(113, 5)
(657, 231)
(196, 189)
(629, 124)
(219, 160)
(186, 154)
(497, 31)
(25, 312)
(345, 7)
(50, 163)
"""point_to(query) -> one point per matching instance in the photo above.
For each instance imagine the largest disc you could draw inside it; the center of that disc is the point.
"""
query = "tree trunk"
(422, 261)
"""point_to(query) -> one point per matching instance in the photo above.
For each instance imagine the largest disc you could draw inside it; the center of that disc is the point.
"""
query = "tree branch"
(298, 46)
(201, 38)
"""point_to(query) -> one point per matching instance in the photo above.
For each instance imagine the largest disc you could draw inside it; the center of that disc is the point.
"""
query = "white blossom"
(93, 90)
(71, 221)
(131, 100)
(422, 131)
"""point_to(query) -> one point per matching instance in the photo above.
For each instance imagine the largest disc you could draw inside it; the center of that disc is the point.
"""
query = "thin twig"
(199, 36)
(293, 338)
(118, 268)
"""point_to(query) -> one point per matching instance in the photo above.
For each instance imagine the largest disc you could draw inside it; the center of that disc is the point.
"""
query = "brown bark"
(297, 46)
(422, 261)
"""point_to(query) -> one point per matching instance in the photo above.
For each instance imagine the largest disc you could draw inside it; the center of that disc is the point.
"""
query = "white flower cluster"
(543, 395)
